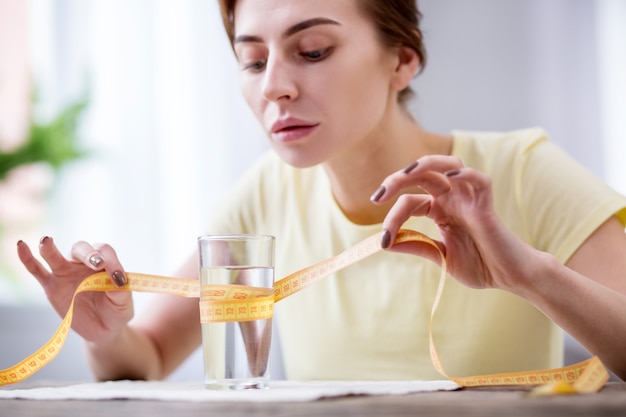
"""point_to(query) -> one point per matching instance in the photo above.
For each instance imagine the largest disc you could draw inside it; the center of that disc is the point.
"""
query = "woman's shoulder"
(521, 140)
(487, 149)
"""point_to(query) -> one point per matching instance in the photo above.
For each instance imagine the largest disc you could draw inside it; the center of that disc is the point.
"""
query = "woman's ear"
(407, 65)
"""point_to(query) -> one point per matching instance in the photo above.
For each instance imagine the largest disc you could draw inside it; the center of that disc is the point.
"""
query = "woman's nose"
(279, 82)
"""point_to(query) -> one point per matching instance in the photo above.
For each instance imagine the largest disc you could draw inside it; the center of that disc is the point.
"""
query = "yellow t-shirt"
(370, 320)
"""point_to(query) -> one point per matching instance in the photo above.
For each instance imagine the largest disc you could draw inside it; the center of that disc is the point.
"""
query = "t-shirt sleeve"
(563, 203)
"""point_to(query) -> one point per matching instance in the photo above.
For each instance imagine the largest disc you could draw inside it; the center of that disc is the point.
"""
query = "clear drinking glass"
(236, 353)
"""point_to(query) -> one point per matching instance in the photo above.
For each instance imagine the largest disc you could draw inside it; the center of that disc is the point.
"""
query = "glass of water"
(236, 353)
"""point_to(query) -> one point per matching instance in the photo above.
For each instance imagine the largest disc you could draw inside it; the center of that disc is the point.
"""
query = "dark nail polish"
(409, 168)
(378, 193)
(385, 239)
(44, 239)
(96, 260)
(452, 172)
(119, 278)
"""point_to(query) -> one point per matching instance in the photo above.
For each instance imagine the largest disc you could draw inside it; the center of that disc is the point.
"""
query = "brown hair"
(397, 21)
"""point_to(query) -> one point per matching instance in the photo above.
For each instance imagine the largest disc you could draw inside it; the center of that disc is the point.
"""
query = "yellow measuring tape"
(221, 303)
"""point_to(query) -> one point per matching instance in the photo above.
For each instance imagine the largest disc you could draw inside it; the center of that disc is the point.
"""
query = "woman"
(328, 81)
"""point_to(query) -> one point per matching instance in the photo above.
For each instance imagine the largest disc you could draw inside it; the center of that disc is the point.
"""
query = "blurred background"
(121, 121)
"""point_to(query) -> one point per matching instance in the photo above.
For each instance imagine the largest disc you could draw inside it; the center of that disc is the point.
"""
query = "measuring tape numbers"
(224, 303)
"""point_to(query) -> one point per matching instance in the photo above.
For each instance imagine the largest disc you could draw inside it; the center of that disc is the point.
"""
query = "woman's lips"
(293, 133)
(288, 130)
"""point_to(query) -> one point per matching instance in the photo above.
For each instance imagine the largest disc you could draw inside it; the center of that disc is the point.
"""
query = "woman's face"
(316, 76)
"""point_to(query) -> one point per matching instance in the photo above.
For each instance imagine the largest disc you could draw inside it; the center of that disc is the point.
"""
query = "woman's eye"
(315, 55)
(254, 66)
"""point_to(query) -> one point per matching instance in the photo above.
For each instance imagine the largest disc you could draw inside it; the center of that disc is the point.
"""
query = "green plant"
(54, 142)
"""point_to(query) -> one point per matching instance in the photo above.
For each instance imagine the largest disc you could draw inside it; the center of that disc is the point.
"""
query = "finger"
(425, 173)
(478, 181)
(85, 253)
(439, 163)
(430, 182)
(31, 264)
(406, 206)
(101, 257)
(120, 298)
(50, 253)
(423, 249)
(112, 265)
(471, 186)
(470, 201)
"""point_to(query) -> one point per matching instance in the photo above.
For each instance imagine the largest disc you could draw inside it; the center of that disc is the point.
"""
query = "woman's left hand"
(480, 252)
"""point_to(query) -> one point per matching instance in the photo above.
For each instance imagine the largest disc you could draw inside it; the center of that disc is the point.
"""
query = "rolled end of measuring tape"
(553, 388)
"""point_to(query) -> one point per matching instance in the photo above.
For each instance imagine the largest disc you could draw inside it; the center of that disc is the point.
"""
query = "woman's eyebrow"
(298, 27)
(292, 30)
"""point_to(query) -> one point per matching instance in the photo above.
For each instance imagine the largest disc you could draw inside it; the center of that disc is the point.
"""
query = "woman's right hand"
(98, 316)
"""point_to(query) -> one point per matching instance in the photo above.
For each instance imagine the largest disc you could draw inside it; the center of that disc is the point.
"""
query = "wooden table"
(510, 401)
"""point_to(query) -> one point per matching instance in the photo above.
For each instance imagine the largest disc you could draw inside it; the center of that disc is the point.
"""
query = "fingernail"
(409, 168)
(44, 239)
(19, 242)
(96, 260)
(378, 193)
(119, 278)
(452, 172)
(385, 240)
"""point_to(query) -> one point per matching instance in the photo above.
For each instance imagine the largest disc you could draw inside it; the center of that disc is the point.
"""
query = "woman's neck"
(357, 174)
